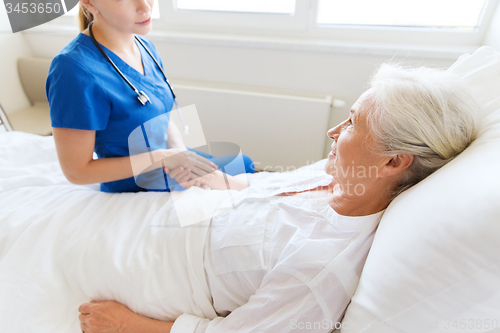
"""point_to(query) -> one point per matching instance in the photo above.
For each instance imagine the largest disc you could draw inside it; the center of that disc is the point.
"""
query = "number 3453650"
(473, 324)
(33, 8)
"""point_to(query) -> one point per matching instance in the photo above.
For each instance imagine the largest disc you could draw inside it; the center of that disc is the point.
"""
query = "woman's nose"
(333, 133)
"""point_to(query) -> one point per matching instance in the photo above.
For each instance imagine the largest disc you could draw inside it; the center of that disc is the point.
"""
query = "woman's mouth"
(145, 22)
(332, 154)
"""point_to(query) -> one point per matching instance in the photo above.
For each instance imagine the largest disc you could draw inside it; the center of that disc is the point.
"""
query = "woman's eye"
(350, 122)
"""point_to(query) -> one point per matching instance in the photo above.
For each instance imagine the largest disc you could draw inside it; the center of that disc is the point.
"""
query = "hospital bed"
(434, 265)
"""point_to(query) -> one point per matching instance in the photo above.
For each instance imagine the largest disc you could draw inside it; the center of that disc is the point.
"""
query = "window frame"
(405, 35)
(189, 20)
(303, 27)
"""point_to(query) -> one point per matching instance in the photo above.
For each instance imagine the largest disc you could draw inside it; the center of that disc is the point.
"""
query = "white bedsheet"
(52, 232)
(47, 223)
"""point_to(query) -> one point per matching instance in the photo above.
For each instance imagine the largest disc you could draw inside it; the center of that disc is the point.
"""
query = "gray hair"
(427, 112)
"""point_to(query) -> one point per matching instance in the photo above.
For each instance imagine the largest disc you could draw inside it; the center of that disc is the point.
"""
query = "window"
(455, 14)
(429, 22)
(249, 6)
(264, 15)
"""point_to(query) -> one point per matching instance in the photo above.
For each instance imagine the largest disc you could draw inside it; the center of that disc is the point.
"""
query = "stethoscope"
(141, 95)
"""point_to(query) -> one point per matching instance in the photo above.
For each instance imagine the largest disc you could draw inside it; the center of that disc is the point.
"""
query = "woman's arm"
(216, 180)
(111, 316)
(75, 150)
(219, 180)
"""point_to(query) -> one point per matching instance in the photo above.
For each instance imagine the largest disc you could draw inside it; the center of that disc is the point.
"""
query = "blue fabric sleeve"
(76, 96)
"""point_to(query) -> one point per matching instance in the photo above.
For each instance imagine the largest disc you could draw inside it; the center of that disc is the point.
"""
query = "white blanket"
(62, 245)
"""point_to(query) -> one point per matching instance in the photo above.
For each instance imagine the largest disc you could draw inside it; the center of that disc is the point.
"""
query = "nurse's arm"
(75, 152)
(174, 136)
(175, 141)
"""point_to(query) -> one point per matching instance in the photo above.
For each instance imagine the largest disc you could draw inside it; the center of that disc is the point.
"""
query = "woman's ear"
(396, 164)
(89, 6)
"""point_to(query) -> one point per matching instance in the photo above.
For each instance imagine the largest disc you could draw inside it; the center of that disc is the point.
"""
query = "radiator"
(279, 129)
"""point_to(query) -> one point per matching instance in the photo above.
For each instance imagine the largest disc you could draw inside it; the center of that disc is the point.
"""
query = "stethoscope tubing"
(142, 97)
(120, 72)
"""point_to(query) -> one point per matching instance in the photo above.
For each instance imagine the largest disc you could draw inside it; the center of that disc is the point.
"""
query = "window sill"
(287, 43)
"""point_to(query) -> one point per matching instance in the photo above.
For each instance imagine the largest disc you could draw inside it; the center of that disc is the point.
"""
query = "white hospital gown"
(281, 264)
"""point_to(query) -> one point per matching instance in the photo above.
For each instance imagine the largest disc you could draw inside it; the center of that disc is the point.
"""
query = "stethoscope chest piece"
(143, 98)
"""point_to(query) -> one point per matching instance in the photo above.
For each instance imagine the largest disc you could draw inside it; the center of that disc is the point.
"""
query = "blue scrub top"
(85, 92)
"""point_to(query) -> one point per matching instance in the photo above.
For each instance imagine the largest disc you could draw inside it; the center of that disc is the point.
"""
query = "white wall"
(13, 46)
(12, 97)
(342, 74)
(493, 36)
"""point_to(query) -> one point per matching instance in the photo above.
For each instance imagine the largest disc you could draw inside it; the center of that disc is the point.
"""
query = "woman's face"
(353, 161)
(125, 16)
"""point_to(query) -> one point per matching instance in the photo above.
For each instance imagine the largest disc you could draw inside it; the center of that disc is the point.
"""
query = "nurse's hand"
(187, 179)
(198, 165)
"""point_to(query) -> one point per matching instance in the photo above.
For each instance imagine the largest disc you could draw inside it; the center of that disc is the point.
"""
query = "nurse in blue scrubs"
(93, 108)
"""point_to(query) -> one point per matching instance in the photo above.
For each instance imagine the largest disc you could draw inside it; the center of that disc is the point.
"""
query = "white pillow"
(435, 261)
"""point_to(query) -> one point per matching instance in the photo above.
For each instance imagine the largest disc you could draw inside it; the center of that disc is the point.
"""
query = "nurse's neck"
(117, 41)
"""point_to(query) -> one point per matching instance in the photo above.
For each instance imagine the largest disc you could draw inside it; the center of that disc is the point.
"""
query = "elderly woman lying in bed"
(291, 258)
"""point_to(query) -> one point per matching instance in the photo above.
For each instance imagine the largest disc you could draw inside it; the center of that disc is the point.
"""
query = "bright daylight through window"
(458, 14)
(442, 22)
(249, 6)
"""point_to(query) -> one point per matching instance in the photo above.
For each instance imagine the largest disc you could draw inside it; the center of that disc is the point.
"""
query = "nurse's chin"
(139, 30)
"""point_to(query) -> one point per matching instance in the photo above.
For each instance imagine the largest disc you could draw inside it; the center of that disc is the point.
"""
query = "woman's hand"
(218, 180)
(186, 178)
(104, 316)
(198, 165)
(113, 317)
